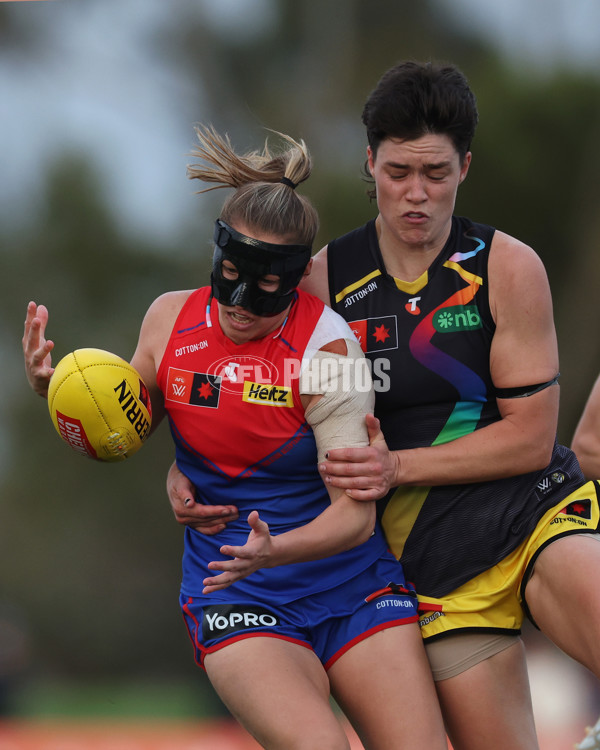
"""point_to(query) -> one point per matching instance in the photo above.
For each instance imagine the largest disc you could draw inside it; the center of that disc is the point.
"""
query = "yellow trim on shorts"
(492, 601)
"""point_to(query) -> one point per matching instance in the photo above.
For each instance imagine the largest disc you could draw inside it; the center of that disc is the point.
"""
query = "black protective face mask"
(254, 260)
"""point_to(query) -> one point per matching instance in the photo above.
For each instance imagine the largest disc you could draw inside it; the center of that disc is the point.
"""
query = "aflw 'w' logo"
(544, 485)
(178, 390)
(557, 477)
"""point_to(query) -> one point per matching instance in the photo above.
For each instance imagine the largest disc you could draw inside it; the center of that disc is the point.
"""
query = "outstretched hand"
(37, 349)
(246, 559)
(364, 473)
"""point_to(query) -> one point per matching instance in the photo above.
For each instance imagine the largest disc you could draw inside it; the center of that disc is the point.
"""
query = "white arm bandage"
(344, 381)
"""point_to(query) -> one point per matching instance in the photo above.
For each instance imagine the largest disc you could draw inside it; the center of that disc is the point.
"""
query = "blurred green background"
(97, 103)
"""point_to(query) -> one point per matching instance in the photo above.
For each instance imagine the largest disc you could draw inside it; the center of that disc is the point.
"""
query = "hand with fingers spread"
(250, 557)
(37, 349)
(207, 519)
(365, 473)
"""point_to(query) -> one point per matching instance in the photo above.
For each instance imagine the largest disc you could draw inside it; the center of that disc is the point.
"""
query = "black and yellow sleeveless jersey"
(428, 342)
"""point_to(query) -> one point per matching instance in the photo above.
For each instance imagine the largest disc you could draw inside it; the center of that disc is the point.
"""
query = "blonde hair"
(261, 200)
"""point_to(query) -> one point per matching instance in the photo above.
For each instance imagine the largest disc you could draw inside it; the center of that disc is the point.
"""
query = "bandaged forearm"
(344, 382)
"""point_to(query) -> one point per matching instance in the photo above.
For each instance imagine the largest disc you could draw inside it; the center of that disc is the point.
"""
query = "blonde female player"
(310, 602)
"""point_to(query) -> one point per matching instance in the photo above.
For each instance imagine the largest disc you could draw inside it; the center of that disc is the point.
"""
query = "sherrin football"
(99, 405)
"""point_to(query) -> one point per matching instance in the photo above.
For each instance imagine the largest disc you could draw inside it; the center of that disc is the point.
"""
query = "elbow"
(368, 526)
(355, 521)
(540, 454)
(365, 535)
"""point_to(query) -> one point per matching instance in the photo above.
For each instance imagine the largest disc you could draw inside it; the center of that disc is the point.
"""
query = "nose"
(240, 295)
(416, 191)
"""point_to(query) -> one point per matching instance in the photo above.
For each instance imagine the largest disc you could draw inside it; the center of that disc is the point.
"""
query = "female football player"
(299, 597)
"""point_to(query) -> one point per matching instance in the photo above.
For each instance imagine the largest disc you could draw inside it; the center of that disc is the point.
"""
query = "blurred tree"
(96, 564)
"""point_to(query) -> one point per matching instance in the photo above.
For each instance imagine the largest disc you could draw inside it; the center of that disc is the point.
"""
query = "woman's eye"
(229, 272)
(268, 284)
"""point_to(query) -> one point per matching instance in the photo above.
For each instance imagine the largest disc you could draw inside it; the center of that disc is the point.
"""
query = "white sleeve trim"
(330, 327)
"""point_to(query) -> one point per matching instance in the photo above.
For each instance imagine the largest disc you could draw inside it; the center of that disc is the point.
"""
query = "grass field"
(167, 735)
(177, 716)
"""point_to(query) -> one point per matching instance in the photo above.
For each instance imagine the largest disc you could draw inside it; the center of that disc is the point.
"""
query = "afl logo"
(234, 371)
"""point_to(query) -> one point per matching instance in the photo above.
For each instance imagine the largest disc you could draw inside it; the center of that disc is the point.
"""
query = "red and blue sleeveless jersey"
(242, 439)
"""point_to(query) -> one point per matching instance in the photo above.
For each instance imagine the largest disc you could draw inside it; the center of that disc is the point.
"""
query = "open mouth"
(240, 317)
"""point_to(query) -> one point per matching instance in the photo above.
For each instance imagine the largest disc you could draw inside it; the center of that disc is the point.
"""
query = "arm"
(345, 523)
(586, 440)
(523, 352)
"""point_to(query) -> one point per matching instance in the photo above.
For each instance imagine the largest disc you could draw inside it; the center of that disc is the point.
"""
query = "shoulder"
(161, 316)
(516, 274)
(513, 261)
(330, 334)
(155, 332)
(168, 306)
(334, 257)
(317, 282)
(357, 235)
(335, 324)
(506, 248)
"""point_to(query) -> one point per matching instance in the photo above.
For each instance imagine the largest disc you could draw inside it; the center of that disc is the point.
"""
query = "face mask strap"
(231, 241)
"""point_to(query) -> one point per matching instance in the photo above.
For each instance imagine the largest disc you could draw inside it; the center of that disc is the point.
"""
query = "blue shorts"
(329, 622)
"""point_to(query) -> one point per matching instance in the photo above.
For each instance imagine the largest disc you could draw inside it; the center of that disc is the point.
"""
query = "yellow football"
(99, 405)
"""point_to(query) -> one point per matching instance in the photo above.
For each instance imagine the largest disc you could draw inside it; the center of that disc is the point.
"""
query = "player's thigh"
(385, 687)
(489, 704)
(278, 691)
(563, 596)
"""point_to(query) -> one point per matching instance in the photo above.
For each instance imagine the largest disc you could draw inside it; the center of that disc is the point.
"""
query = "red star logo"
(205, 390)
(578, 507)
(381, 333)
